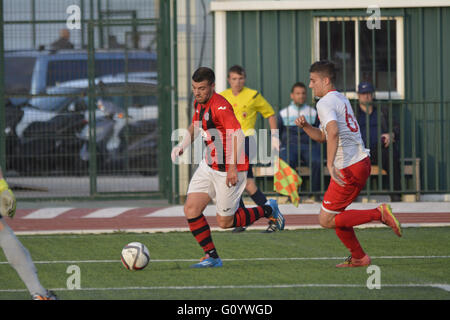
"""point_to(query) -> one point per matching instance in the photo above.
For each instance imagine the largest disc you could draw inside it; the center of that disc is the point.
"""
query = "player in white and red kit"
(347, 161)
(222, 175)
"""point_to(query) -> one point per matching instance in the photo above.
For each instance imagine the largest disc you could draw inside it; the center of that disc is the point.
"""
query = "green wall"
(275, 47)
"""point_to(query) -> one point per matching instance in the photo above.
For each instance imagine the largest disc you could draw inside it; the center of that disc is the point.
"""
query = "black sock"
(267, 211)
(213, 253)
(259, 198)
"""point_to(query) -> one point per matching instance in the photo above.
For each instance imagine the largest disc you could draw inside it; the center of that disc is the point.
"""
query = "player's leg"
(257, 196)
(19, 258)
(230, 214)
(338, 198)
(346, 235)
(200, 193)
(334, 215)
(193, 210)
(251, 188)
(395, 173)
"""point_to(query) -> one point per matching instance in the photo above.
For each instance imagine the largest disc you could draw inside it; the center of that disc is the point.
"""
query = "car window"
(18, 74)
(53, 103)
(133, 94)
(66, 70)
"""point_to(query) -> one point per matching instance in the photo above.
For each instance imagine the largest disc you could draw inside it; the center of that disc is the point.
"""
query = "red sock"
(348, 238)
(202, 233)
(351, 218)
(246, 216)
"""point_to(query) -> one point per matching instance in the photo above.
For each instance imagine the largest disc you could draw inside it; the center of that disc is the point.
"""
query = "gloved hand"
(7, 200)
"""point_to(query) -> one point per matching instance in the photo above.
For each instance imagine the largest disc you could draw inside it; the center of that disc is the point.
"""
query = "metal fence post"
(92, 108)
(2, 93)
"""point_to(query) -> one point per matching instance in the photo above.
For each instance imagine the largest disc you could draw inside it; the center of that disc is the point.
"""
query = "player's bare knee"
(190, 210)
(326, 220)
(224, 223)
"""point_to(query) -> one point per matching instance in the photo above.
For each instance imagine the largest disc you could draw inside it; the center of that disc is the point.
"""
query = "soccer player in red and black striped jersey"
(222, 174)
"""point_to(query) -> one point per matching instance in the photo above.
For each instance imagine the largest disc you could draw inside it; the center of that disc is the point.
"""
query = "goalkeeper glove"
(7, 200)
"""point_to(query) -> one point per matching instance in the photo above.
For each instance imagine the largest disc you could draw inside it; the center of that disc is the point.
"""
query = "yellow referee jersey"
(246, 106)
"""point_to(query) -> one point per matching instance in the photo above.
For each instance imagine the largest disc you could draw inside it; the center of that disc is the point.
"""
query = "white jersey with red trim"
(335, 106)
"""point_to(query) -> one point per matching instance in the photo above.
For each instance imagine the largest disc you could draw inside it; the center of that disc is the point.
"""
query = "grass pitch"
(284, 265)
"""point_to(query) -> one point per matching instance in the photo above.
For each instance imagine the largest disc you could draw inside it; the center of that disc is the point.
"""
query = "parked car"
(32, 72)
(54, 130)
(46, 133)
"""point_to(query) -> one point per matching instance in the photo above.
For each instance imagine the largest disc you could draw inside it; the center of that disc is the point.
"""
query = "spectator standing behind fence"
(294, 142)
(63, 41)
(247, 103)
(367, 106)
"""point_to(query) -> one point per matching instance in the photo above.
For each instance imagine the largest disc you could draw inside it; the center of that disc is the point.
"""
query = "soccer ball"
(135, 256)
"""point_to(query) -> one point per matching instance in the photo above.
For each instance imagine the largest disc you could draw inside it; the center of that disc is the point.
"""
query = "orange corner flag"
(286, 181)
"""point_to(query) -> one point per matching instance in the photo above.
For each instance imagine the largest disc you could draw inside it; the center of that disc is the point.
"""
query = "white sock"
(19, 258)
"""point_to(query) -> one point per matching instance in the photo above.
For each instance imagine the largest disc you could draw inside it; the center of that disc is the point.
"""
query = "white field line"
(444, 286)
(185, 229)
(237, 259)
(314, 208)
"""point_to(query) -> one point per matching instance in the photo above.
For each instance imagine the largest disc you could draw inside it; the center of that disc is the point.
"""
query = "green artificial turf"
(284, 265)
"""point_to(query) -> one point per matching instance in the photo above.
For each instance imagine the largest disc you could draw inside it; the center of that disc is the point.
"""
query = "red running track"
(138, 219)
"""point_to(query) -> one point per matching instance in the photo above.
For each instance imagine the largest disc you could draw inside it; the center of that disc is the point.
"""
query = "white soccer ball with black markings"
(135, 256)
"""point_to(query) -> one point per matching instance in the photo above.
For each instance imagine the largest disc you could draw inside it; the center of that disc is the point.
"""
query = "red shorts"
(337, 198)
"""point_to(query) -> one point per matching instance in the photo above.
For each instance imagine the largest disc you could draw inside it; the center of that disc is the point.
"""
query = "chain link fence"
(81, 91)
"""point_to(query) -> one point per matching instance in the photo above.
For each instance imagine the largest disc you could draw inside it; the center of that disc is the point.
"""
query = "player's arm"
(7, 198)
(314, 133)
(186, 142)
(232, 173)
(332, 146)
(274, 133)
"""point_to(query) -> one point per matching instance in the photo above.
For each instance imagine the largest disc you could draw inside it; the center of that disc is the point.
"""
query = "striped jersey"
(217, 123)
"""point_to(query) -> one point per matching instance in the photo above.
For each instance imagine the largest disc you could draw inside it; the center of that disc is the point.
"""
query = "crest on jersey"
(206, 116)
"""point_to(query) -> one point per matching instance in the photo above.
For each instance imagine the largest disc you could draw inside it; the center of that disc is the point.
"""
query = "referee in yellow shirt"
(247, 103)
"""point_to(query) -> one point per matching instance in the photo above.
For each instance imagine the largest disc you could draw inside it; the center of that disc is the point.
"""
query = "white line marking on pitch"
(74, 233)
(274, 286)
(47, 213)
(240, 259)
(107, 213)
(314, 208)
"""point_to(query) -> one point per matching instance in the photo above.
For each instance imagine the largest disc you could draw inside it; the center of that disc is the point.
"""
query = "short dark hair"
(237, 69)
(204, 73)
(298, 85)
(326, 68)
